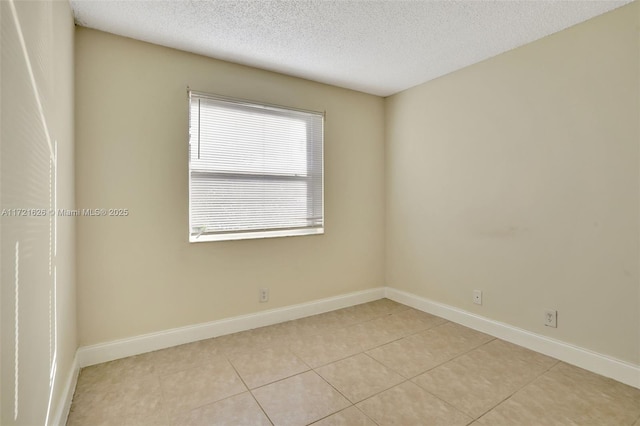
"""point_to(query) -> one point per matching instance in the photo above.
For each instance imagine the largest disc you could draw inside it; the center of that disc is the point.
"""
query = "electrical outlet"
(264, 295)
(551, 318)
(477, 297)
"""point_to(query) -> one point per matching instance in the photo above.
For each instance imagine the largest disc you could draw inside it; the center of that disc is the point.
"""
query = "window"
(255, 170)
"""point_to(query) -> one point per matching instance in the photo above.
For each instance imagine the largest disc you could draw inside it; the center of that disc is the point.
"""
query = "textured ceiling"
(377, 47)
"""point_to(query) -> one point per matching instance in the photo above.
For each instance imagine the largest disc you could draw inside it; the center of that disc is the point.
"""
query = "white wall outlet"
(264, 295)
(477, 297)
(551, 318)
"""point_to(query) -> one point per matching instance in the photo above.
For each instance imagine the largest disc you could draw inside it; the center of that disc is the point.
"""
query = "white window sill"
(255, 235)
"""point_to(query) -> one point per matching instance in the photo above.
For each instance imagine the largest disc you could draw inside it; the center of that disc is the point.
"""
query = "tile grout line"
(249, 390)
(363, 352)
(352, 404)
(512, 394)
(444, 401)
(212, 356)
(503, 400)
(365, 414)
(230, 356)
(410, 379)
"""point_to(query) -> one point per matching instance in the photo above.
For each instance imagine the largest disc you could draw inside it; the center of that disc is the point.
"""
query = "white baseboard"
(598, 363)
(103, 352)
(61, 414)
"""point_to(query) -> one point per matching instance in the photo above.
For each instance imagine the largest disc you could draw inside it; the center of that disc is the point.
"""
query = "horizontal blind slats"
(254, 168)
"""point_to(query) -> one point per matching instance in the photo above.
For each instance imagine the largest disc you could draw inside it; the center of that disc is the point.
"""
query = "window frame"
(308, 178)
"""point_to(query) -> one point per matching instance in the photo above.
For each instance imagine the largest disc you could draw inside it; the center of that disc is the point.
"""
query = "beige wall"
(519, 176)
(45, 288)
(139, 274)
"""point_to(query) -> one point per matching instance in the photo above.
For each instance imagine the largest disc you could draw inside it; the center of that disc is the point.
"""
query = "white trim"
(598, 363)
(60, 418)
(103, 352)
(232, 236)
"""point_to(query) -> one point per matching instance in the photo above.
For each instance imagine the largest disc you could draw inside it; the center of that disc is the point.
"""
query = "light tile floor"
(379, 363)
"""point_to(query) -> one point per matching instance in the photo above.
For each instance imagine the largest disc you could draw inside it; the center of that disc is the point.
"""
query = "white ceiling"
(378, 47)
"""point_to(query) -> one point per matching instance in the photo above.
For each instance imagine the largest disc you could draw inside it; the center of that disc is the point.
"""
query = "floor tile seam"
(344, 327)
(345, 397)
(329, 415)
(282, 379)
(433, 327)
(388, 368)
(433, 367)
(370, 348)
(505, 399)
(164, 398)
(279, 380)
(229, 354)
(331, 362)
(261, 407)
(377, 317)
(404, 379)
(207, 403)
(288, 349)
(368, 416)
(445, 323)
(495, 339)
(467, 351)
(370, 396)
(321, 378)
(344, 409)
(378, 345)
(421, 388)
(547, 370)
(587, 389)
(238, 374)
(613, 381)
(429, 327)
(400, 335)
(392, 368)
(520, 389)
(404, 336)
(443, 401)
(411, 377)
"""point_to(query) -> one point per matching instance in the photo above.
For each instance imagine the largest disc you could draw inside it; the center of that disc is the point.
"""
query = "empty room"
(327, 212)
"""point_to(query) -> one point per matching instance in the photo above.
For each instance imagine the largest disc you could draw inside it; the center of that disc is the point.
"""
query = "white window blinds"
(255, 171)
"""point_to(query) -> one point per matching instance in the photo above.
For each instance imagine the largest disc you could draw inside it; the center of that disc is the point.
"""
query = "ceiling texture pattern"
(377, 47)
